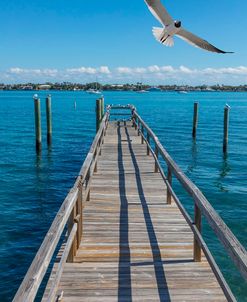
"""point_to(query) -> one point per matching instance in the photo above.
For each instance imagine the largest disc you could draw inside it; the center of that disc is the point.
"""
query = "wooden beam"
(198, 224)
(48, 119)
(37, 123)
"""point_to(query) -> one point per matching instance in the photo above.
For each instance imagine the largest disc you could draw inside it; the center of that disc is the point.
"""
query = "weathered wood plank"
(135, 246)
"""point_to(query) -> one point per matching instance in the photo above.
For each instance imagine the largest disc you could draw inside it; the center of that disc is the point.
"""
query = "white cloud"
(140, 70)
(153, 74)
(167, 69)
(124, 70)
(154, 69)
(81, 70)
(22, 71)
(241, 70)
(89, 70)
(185, 69)
(104, 70)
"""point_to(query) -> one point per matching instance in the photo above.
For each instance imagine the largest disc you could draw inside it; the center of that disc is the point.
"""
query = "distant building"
(117, 86)
(44, 87)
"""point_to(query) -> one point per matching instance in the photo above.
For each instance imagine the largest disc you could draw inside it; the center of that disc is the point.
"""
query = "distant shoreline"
(139, 87)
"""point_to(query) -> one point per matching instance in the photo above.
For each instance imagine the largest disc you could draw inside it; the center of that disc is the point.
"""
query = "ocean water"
(33, 187)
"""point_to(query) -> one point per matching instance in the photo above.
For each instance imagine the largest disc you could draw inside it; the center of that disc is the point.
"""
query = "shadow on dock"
(124, 279)
(124, 289)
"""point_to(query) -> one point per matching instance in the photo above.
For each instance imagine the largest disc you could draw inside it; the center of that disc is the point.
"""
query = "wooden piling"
(98, 114)
(195, 120)
(226, 126)
(102, 108)
(48, 119)
(37, 123)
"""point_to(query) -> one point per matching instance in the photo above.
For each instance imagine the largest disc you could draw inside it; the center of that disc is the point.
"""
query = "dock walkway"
(135, 247)
(128, 236)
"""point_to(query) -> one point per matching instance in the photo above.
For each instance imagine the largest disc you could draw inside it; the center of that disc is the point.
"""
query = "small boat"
(140, 88)
(183, 91)
(93, 91)
(142, 91)
(154, 89)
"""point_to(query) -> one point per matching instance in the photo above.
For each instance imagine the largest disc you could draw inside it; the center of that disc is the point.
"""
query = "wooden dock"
(129, 238)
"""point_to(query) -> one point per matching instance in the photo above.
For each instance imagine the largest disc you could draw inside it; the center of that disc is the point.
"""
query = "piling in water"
(226, 126)
(102, 108)
(98, 114)
(195, 120)
(48, 119)
(37, 123)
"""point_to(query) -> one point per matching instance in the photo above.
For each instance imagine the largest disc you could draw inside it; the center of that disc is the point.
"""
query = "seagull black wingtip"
(224, 52)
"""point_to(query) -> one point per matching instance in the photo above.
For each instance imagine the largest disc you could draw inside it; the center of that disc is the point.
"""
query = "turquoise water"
(32, 188)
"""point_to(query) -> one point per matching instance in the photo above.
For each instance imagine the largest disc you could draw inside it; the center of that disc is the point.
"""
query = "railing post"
(142, 134)
(133, 118)
(135, 122)
(101, 142)
(138, 131)
(79, 212)
(226, 125)
(87, 181)
(71, 222)
(95, 166)
(169, 179)
(197, 223)
(156, 151)
(195, 120)
(148, 143)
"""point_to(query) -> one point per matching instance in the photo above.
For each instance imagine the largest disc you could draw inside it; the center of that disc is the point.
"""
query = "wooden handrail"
(119, 106)
(54, 286)
(234, 248)
(30, 285)
(35, 274)
(197, 235)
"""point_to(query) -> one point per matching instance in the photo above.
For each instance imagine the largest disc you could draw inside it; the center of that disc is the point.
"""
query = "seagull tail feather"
(157, 32)
(162, 37)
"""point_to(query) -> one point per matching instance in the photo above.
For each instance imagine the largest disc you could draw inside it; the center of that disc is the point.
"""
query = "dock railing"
(70, 214)
(201, 207)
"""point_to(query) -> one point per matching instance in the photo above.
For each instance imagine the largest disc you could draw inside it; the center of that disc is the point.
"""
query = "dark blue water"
(32, 188)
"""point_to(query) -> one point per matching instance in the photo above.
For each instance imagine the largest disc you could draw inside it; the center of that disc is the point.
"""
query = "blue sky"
(78, 40)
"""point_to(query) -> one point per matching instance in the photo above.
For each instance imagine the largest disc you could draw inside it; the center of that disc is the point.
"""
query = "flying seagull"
(174, 27)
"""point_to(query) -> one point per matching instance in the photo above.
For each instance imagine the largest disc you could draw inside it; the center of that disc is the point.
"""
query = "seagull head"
(177, 23)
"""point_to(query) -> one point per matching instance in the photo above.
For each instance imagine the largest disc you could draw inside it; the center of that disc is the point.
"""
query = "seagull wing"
(198, 42)
(159, 12)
